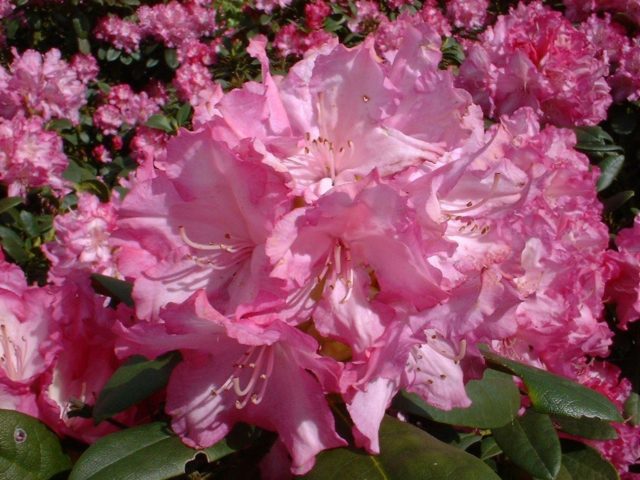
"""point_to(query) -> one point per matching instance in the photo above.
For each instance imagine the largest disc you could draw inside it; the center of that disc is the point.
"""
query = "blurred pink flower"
(30, 156)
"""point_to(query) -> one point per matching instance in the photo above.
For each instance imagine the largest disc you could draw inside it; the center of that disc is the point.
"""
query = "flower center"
(250, 376)
(219, 256)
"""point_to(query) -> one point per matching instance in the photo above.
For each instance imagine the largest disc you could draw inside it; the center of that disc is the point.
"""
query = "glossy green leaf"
(632, 408)
(119, 290)
(9, 202)
(13, 245)
(465, 440)
(609, 169)
(171, 58)
(585, 463)
(591, 428)
(489, 448)
(148, 452)
(614, 202)
(495, 402)
(407, 453)
(96, 187)
(29, 450)
(112, 54)
(593, 139)
(135, 380)
(532, 444)
(184, 112)
(159, 122)
(623, 119)
(556, 395)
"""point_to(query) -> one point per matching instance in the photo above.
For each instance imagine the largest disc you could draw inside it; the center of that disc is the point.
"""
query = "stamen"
(204, 246)
(489, 196)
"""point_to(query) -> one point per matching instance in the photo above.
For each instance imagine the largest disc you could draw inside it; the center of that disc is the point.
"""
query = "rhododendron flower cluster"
(318, 240)
(356, 209)
(29, 155)
(534, 57)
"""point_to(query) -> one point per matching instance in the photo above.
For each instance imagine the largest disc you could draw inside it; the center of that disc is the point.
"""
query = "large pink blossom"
(27, 338)
(534, 57)
(200, 224)
(356, 216)
(85, 360)
(241, 372)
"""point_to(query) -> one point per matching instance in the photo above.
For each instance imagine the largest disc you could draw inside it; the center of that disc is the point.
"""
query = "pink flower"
(125, 107)
(625, 83)
(27, 339)
(579, 9)
(85, 361)
(43, 85)
(269, 5)
(122, 34)
(556, 72)
(82, 239)
(174, 23)
(625, 450)
(235, 372)
(191, 80)
(368, 15)
(624, 286)
(315, 13)
(199, 223)
(30, 156)
(470, 15)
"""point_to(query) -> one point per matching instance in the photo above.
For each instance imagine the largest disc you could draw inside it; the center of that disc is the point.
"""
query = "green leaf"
(632, 409)
(159, 122)
(495, 402)
(406, 453)
(84, 46)
(532, 444)
(9, 202)
(623, 119)
(28, 449)
(76, 173)
(119, 290)
(556, 395)
(590, 138)
(583, 462)
(148, 452)
(112, 54)
(609, 169)
(28, 223)
(13, 245)
(59, 124)
(465, 440)
(591, 428)
(613, 203)
(452, 52)
(135, 380)
(489, 448)
(184, 112)
(96, 187)
(171, 58)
